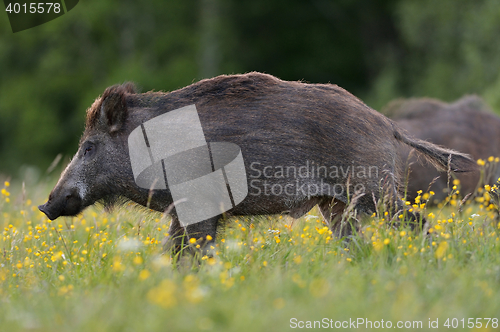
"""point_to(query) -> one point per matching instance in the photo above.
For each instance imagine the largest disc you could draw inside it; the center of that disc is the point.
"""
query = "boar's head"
(101, 165)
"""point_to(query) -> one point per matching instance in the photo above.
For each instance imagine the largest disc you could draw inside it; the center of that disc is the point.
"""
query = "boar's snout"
(68, 203)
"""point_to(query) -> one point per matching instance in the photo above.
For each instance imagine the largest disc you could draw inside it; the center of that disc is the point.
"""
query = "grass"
(106, 272)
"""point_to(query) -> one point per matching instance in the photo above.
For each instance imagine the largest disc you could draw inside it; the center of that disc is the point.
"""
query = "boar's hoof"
(173, 244)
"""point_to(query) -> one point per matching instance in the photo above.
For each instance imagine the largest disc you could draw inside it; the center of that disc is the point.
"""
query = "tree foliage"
(378, 50)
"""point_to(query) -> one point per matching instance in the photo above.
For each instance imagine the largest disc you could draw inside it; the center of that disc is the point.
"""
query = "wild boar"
(301, 145)
(467, 125)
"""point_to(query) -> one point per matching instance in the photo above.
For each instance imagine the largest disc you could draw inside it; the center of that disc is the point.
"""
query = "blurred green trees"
(378, 50)
(446, 49)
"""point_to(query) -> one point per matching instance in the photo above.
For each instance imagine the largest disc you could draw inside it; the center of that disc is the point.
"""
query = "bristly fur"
(111, 201)
(273, 122)
(467, 125)
(93, 113)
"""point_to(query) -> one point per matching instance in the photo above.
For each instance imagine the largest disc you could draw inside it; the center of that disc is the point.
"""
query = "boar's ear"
(113, 112)
(114, 107)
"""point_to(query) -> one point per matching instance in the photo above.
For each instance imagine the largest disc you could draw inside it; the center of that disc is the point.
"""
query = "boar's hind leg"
(332, 210)
(179, 236)
(414, 219)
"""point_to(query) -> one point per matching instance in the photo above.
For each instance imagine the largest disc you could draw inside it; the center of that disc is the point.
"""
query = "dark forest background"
(378, 50)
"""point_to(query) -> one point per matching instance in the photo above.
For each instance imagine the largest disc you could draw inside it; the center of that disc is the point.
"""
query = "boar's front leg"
(176, 238)
(332, 210)
(203, 233)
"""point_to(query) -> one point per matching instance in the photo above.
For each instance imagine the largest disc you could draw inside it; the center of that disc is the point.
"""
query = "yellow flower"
(441, 250)
(117, 264)
(56, 256)
(378, 245)
(144, 274)
(480, 162)
(163, 295)
(192, 240)
(323, 230)
(6, 183)
(487, 187)
(387, 241)
(491, 159)
(209, 238)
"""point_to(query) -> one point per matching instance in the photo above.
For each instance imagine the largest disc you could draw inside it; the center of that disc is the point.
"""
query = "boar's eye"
(88, 149)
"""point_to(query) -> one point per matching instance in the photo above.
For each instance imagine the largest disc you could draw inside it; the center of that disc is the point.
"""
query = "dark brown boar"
(466, 125)
(281, 127)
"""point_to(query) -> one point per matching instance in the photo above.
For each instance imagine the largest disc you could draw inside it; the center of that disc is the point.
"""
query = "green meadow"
(105, 271)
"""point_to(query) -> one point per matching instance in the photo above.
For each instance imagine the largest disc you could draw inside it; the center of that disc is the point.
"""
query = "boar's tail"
(441, 158)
